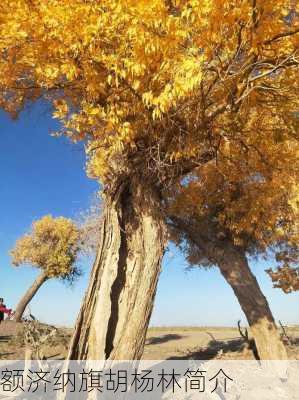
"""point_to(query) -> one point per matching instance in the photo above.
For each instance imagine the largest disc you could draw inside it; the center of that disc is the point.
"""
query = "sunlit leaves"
(251, 204)
(117, 71)
(285, 278)
(52, 245)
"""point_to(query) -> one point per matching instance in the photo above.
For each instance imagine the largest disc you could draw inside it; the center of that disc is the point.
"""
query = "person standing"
(3, 310)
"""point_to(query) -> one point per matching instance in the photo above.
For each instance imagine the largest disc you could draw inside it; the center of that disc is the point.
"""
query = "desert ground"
(202, 343)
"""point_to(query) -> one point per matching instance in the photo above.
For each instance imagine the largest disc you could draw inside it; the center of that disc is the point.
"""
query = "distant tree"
(52, 246)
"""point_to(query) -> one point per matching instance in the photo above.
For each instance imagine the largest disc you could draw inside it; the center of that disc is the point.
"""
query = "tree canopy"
(52, 245)
(253, 209)
(157, 86)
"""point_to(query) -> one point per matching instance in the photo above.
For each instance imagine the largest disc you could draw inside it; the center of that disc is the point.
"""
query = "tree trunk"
(116, 310)
(234, 267)
(25, 300)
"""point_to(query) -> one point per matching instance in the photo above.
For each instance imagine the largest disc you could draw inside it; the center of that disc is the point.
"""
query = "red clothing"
(5, 310)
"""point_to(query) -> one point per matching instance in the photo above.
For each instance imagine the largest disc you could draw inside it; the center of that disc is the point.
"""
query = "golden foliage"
(51, 245)
(285, 278)
(155, 84)
(286, 275)
(255, 209)
(159, 88)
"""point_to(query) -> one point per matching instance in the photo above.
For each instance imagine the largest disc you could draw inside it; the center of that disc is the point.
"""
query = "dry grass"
(162, 343)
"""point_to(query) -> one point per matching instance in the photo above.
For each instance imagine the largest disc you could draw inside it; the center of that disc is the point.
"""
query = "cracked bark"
(234, 267)
(116, 310)
(235, 270)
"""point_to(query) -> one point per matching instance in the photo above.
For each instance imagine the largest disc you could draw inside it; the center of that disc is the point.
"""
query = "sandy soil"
(162, 343)
(205, 343)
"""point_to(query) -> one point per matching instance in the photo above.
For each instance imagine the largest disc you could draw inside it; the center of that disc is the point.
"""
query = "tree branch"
(281, 36)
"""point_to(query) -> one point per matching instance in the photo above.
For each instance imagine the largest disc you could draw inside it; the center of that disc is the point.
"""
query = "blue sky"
(41, 174)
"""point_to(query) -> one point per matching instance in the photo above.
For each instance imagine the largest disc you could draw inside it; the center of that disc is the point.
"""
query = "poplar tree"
(52, 245)
(153, 88)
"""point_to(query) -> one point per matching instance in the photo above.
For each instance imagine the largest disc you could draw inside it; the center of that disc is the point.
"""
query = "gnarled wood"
(234, 267)
(115, 313)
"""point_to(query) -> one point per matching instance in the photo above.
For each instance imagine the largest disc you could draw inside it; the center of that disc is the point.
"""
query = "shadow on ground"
(5, 355)
(5, 338)
(212, 350)
(163, 339)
